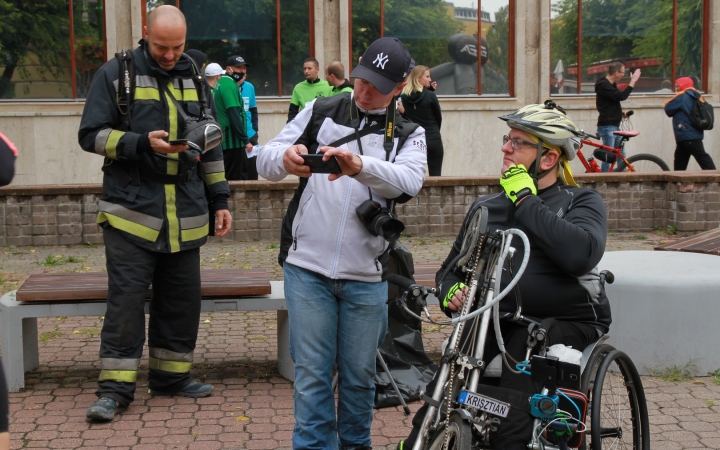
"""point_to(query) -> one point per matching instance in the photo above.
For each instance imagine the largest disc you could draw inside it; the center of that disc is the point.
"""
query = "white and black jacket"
(321, 231)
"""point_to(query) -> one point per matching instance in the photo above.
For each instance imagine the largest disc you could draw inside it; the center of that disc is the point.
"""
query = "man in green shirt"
(231, 116)
(308, 90)
(335, 76)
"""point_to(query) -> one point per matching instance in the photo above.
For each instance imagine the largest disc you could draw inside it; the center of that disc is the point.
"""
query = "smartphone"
(178, 142)
(317, 165)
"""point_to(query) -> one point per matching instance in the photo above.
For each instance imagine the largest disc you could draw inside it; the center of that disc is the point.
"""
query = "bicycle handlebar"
(408, 285)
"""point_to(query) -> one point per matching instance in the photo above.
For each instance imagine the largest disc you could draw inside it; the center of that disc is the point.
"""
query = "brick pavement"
(251, 407)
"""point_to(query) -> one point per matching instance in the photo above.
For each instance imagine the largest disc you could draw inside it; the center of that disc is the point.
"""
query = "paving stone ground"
(251, 407)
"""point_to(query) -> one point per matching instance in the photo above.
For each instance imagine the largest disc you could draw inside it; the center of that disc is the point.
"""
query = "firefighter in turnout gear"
(153, 211)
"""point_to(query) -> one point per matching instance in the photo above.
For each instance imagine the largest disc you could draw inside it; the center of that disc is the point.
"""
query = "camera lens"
(384, 225)
(547, 406)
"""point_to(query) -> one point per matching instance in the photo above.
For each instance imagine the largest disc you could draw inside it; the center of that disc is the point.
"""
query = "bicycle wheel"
(643, 162)
(618, 410)
(460, 435)
(587, 382)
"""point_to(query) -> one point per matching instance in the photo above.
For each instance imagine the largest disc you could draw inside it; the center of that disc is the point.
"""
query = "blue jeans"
(609, 139)
(333, 321)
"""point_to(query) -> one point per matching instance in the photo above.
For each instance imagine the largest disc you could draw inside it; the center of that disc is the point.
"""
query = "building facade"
(523, 43)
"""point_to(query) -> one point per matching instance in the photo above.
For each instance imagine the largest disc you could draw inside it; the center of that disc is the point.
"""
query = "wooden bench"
(425, 274)
(84, 294)
(707, 242)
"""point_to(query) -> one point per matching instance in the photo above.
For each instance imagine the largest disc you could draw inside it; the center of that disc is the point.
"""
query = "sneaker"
(104, 410)
(192, 390)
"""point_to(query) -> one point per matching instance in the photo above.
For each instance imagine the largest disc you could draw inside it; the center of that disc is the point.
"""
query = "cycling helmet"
(551, 128)
(548, 123)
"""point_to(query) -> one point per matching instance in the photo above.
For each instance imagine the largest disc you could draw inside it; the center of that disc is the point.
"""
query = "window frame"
(511, 47)
(278, 26)
(705, 58)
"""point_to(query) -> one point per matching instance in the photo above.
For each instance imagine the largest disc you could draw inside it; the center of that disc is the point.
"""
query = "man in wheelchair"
(561, 287)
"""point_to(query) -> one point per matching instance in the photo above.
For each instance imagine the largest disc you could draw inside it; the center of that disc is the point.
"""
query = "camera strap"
(388, 139)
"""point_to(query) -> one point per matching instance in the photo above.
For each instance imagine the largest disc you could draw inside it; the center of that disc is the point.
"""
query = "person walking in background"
(308, 90)
(231, 116)
(688, 139)
(421, 106)
(607, 101)
(335, 76)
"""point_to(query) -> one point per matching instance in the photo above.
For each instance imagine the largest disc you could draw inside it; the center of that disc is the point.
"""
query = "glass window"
(640, 33)
(444, 37)
(35, 57)
(89, 32)
(222, 29)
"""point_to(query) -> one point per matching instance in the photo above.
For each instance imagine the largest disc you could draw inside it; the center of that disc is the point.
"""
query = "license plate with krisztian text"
(482, 403)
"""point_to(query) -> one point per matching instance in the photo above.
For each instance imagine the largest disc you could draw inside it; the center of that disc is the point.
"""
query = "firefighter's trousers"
(174, 317)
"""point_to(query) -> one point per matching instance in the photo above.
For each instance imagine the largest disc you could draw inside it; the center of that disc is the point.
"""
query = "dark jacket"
(567, 230)
(423, 109)
(679, 108)
(607, 101)
(158, 204)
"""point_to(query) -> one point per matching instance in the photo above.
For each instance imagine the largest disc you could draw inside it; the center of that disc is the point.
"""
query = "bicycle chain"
(451, 377)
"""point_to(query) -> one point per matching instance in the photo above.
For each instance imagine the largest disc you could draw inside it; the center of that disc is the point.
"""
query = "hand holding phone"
(178, 142)
(317, 165)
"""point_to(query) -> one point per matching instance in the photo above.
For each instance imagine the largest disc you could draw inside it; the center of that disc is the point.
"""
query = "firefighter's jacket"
(165, 215)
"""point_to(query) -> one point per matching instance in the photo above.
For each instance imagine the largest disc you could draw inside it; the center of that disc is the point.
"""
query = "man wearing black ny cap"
(333, 262)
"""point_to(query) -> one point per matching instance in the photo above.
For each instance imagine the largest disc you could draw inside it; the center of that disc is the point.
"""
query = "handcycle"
(599, 403)
(641, 162)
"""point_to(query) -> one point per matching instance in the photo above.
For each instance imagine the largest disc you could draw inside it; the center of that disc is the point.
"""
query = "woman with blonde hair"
(420, 105)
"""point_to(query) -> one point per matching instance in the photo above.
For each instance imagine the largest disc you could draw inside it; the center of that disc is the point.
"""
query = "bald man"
(154, 214)
(335, 76)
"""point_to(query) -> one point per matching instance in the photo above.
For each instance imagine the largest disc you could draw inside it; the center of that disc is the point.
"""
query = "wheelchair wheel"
(460, 435)
(618, 417)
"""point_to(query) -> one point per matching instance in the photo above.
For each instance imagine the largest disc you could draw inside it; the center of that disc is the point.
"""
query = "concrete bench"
(84, 295)
(665, 307)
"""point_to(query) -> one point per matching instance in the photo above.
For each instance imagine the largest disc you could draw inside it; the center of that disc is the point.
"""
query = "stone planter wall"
(66, 214)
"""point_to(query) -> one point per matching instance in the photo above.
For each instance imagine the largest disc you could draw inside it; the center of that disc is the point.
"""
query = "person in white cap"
(332, 255)
(213, 71)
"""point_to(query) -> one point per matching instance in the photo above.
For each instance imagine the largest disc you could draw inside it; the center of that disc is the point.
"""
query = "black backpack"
(702, 116)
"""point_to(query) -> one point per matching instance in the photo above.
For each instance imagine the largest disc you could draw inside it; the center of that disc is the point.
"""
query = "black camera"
(379, 221)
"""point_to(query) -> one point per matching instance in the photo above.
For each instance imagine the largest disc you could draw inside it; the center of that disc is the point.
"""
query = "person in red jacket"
(688, 139)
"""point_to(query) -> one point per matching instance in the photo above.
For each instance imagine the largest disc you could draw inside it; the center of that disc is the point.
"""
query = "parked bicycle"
(599, 403)
(642, 162)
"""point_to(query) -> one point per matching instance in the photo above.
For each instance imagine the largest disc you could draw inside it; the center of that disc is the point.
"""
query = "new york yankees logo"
(380, 61)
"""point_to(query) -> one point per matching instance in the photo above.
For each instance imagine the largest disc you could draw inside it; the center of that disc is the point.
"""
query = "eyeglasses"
(517, 143)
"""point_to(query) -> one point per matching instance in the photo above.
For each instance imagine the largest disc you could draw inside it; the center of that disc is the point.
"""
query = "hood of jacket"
(414, 98)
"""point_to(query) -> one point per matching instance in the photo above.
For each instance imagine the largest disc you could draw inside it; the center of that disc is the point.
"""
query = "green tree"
(497, 41)
(40, 27)
(656, 32)
(424, 26)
